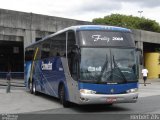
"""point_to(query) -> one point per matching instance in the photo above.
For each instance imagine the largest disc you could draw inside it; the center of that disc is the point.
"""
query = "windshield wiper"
(123, 76)
(105, 64)
(103, 69)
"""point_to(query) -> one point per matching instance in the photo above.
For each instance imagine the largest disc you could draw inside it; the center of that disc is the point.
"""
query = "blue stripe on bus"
(112, 28)
(107, 88)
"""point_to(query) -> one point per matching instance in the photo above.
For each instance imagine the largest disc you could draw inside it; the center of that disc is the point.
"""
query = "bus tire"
(62, 96)
(34, 88)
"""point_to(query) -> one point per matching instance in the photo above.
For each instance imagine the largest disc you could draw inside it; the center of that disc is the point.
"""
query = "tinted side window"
(58, 45)
(45, 49)
(71, 41)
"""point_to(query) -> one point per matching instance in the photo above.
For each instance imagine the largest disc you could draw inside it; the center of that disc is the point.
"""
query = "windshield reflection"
(108, 65)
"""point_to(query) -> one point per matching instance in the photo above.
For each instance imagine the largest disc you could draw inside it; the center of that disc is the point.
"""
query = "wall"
(20, 26)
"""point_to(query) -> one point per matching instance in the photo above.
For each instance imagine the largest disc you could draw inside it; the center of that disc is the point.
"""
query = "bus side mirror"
(76, 51)
(139, 55)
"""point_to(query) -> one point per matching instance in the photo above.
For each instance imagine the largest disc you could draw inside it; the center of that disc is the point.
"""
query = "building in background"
(19, 29)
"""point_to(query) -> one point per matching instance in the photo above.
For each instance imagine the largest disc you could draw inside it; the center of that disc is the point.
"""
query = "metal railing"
(14, 75)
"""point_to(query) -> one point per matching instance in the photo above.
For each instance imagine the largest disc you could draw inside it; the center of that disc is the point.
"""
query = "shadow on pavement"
(98, 108)
(47, 97)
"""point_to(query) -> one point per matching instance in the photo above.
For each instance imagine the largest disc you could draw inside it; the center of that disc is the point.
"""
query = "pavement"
(152, 88)
(21, 101)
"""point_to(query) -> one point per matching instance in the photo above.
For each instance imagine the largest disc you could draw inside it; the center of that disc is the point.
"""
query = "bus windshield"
(108, 65)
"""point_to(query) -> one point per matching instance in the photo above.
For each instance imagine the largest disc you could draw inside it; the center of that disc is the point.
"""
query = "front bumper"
(108, 99)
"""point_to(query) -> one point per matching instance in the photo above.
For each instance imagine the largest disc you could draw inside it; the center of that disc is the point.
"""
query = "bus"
(84, 64)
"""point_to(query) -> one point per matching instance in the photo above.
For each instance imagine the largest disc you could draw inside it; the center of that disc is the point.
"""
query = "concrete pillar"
(29, 37)
(27, 40)
(33, 36)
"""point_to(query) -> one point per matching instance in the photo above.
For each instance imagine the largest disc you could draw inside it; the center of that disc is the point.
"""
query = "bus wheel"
(62, 96)
(34, 88)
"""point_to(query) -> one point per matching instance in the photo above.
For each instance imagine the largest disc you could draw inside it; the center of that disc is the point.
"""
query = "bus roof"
(96, 27)
(101, 27)
(86, 27)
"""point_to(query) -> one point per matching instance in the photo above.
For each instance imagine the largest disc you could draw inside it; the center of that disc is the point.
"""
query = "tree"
(129, 22)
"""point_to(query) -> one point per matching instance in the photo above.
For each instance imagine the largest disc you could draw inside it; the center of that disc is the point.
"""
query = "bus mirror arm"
(77, 51)
(141, 59)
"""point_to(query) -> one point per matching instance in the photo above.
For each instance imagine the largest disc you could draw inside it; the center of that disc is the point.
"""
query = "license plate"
(111, 100)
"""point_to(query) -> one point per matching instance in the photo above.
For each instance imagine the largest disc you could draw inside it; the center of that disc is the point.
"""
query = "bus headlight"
(132, 90)
(86, 91)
